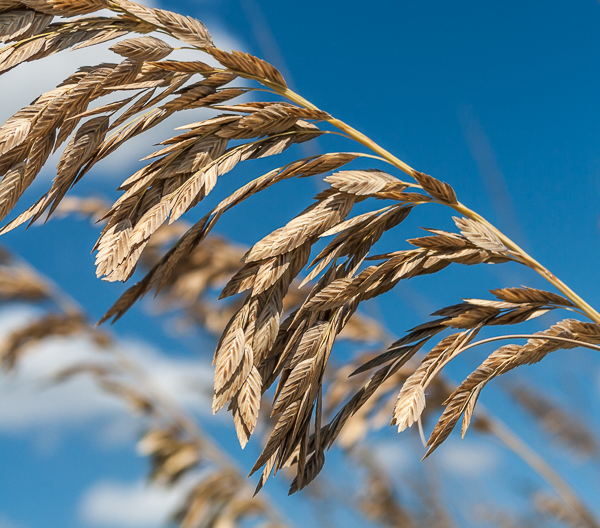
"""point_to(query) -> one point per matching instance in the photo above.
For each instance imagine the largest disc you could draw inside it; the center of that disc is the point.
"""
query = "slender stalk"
(540, 466)
(398, 163)
(501, 431)
(525, 258)
(496, 427)
(353, 133)
(531, 336)
(529, 261)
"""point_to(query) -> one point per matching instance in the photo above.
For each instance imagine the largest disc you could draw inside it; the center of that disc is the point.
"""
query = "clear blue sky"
(500, 99)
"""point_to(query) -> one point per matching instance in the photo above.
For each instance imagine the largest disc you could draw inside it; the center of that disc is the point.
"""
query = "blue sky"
(498, 99)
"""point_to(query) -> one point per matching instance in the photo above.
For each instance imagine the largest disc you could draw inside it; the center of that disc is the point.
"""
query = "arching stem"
(524, 257)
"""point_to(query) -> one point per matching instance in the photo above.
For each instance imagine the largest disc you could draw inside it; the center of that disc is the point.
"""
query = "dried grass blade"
(143, 49)
(436, 188)
(247, 65)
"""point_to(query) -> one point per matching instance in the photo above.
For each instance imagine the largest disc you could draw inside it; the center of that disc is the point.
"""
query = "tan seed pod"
(143, 49)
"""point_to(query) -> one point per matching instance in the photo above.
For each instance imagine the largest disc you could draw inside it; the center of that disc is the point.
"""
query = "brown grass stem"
(364, 140)
(530, 336)
(257, 347)
(512, 441)
(541, 467)
(465, 211)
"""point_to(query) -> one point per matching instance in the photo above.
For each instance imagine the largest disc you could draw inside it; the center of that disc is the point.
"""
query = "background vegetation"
(420, 111)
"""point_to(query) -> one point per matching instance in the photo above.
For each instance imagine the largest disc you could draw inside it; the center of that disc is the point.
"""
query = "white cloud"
(5, 522)
(188, 381)
(28, 402)
(130, 505)
(471, 458)
(395, 457)
(14, 318)
(468, 459)
(118, 431)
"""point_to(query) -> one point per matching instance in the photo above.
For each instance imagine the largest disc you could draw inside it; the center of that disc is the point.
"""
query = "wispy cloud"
(395, 457)
(5, 522)
(483, 154)
(28, 402)
(130, 505)
(469, 459)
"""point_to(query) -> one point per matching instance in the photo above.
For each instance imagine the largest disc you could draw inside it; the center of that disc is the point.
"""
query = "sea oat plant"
(178, 447)
(263, 345)
(172, 440)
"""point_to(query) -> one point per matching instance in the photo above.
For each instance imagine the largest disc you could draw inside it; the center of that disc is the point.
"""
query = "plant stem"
(491, 424)
(541, 337)
(529, 261)
(525, 258)
(539, 465)
(353, 133)
(398, 163)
